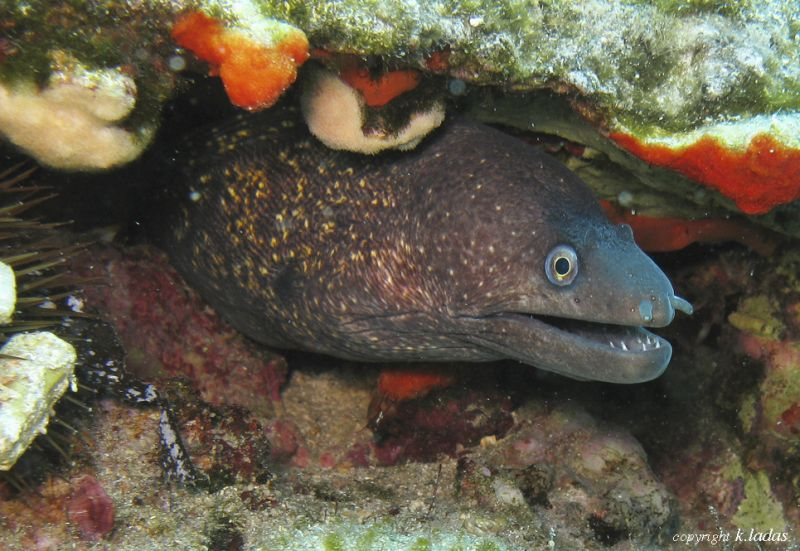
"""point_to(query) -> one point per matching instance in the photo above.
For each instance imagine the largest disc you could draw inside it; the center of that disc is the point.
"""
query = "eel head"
(542, 276)
(583, 310)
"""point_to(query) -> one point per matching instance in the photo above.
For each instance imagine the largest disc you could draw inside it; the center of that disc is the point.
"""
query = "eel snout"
(602, 336)
(672, 304)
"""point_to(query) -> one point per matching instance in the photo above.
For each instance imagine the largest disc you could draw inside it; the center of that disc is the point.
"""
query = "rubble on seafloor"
(507, 458)
(35, 371)
(38, 295)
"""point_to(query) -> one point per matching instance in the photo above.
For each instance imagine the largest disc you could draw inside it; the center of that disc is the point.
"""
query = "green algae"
(655, 67)
(789, 270)
(652, 68)
(757, 315)
(349, 536)
(747, 412)
(334, 542)
(779, 391)
(422, 544)
(686, 7)
(759, 510)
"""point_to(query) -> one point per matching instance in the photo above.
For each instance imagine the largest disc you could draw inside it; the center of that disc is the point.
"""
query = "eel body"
(472, 247)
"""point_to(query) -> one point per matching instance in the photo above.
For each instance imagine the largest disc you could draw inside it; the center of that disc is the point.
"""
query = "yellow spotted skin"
(298, 245)
(433, 254)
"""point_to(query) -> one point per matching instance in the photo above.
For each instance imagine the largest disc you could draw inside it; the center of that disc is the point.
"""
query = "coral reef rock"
(706, 91)
(35, 371)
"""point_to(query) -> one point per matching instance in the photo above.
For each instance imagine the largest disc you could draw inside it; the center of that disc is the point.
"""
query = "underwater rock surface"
(36, 369)
(167, 331)
(708, 448)
(710, 92)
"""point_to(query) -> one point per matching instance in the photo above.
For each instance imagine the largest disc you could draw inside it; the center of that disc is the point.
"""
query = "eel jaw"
(575, 348)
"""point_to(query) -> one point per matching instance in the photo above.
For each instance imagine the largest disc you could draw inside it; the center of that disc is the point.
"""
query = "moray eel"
(472, 247)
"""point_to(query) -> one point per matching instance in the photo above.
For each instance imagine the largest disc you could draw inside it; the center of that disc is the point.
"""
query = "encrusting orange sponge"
(380, 91)
(757, 178)
(405, 384)
(254, 75)
(671, 234)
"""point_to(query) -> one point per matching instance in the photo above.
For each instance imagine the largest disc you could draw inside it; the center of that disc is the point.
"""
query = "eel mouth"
(576, 348)
(625, 339)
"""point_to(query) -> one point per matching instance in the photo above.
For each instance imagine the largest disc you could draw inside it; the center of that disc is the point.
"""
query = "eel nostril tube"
(681, 304)
(646, 310)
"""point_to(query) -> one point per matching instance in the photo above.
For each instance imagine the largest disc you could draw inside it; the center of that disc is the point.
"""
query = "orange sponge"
(254, 75)
(758, 178)
(671, 234)
(405, 384)
(382, 90)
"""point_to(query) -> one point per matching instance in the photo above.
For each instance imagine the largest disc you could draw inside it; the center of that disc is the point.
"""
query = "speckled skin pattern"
(435, 254)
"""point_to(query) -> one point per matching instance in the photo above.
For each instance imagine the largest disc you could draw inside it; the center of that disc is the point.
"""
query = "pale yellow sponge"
(72, 122)
(334, 114)
(35, 371)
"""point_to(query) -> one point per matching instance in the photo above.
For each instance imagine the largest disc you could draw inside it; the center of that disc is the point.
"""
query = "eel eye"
(561, 265)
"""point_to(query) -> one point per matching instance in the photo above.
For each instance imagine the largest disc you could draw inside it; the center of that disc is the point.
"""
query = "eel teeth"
(648, 343)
